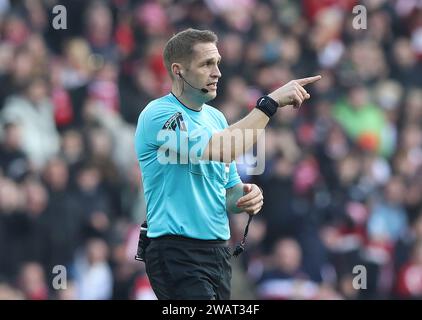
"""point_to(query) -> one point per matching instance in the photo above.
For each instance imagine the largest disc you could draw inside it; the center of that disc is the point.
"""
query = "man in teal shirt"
(172, 208)
(186, 152)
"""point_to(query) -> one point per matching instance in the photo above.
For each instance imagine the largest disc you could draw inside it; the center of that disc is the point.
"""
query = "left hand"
(252, 200)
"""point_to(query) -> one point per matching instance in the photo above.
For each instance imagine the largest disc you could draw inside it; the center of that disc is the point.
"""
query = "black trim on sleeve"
(176, 120)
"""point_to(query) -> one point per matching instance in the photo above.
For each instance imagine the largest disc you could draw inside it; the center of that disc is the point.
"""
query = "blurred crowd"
(343, 175)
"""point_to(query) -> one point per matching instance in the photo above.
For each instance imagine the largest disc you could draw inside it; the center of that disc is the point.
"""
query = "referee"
(188, 198)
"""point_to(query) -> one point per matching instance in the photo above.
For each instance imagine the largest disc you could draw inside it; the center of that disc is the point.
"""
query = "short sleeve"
(234, 177)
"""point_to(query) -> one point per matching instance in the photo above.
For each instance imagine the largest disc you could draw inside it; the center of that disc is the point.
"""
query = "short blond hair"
(180, 46)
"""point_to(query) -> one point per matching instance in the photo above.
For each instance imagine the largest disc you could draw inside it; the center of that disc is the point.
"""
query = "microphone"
(203, 90)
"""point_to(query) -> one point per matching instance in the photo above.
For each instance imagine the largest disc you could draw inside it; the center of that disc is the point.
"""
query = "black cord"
(241, 247)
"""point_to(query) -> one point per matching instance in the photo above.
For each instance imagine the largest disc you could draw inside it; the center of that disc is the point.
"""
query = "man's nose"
(216, 72)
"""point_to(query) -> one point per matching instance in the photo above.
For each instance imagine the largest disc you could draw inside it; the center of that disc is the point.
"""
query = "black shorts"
(184, 269)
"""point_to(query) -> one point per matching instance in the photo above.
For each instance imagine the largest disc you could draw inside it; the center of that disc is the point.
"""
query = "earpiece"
(203, 90)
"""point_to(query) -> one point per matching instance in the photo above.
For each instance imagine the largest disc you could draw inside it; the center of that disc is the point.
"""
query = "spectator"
(285, 278)
(13, 160)
(362, 121)
(32, 282)
(409, 283)
(32, 110)
(93, 274)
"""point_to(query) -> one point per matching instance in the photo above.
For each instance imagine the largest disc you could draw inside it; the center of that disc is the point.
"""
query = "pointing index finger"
(308, 80)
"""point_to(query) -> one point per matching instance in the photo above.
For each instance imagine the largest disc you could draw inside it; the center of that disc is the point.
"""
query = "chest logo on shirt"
(176, 120)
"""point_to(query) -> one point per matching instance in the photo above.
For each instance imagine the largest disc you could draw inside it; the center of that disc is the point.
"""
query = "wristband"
(267, 105)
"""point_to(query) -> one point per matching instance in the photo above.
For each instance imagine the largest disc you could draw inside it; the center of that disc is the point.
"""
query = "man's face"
(203, 71)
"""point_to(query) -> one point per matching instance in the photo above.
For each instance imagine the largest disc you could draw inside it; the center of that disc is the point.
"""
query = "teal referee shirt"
(184, 195)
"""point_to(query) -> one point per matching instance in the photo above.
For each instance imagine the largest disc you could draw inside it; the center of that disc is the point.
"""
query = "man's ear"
(176, 69)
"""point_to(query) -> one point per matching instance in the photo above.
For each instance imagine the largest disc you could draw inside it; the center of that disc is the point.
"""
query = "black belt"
(216, 242)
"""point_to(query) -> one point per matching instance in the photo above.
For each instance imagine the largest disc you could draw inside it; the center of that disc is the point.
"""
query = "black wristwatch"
(267, 105)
